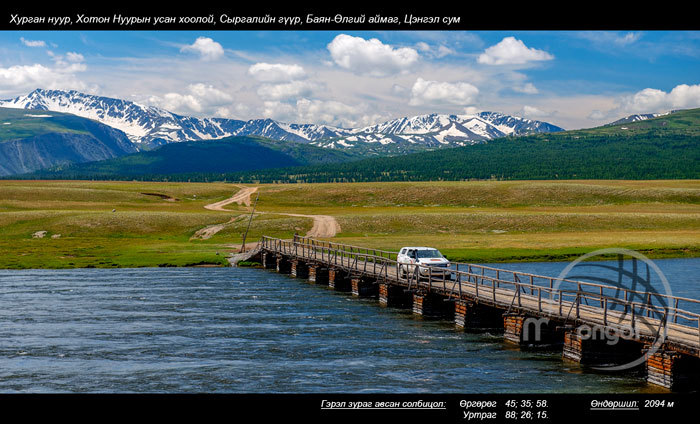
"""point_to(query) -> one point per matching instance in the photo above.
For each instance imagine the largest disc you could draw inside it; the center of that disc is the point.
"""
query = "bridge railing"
(571, 303)
(561, 297)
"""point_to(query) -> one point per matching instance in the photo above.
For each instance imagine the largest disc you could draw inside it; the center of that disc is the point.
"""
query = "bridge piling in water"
(527, 308)
(318, 274)
(673, 370)
(598, 351)
(393, 295)
(363, 286)
(527, 330)
(472, 316)
(430, 305)
(299, 269)
(338, 279)
(284, 266)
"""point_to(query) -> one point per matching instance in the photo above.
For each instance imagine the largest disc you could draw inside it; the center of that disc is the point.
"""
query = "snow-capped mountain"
(638, 117)
(436, 130)
(151, 126)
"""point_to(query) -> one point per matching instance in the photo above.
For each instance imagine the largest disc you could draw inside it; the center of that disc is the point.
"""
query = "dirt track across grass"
(325, 226)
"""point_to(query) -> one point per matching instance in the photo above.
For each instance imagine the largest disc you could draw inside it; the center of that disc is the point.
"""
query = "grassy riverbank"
(64, 224)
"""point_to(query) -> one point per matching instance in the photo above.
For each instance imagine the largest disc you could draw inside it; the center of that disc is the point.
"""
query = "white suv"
(422, 257)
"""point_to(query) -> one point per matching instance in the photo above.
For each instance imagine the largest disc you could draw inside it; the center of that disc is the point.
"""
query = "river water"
(233, 330)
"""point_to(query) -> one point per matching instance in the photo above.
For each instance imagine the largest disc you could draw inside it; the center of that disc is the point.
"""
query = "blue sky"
(574, 79)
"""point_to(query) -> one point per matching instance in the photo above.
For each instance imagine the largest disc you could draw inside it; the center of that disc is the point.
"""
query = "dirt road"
(325, 226)
(207, 232)
(242, 198)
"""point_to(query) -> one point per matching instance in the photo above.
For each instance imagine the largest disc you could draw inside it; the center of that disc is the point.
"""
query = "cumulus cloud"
(176, 102)
(62, 75)
(276, 72)
(652, 100)
(327, 112)
(207, 48)
(371, 57)
(32, 43)
(511, 51)
(434, 93)
(199, 98)
(290, 90)
(281, 81)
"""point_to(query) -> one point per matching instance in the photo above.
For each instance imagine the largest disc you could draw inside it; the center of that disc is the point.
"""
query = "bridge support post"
(391, 295)
(318, 274)
(595, 349)
(363, 286)
(673, 370)
(299, 269)
(472, 316)
(530, 331)
(338, 279)
(431, 305)
(283, 265)
(268, 260)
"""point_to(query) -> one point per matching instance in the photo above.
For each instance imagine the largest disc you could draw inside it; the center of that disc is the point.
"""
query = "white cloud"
(199, 98)
(398, 89)
(207, 48)
(213, 95)
(434, 93)
(528, 88)
(652, 100)
(471, 110)
(61, 76)
(328, 112)
(606, 38)
(533, 112)
(289, 90)
(176, 102)
(32, 43)
(281, 82)
(597, 115)
(628, 38)
(435, 52)
(74, 57)
(279, 111)
(511, 51)
(371, 57)
(276, 72)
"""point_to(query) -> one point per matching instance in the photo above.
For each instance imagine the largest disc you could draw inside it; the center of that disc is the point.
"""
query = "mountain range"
(148, 126)
(80, 135)
(31, 140)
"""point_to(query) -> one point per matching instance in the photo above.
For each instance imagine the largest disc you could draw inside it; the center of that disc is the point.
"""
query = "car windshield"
(428, 253)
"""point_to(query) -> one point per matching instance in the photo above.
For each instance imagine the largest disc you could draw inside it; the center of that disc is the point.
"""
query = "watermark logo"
(630, 296)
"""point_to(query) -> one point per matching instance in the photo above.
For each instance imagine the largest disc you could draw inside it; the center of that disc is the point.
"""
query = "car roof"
(419, 248)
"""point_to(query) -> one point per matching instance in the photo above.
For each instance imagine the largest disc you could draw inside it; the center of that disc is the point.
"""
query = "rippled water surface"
(254, 331)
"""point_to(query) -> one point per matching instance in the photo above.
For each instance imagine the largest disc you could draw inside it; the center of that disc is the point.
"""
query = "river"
(236, 330)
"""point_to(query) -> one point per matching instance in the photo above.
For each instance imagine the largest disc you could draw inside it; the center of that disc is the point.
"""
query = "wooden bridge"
(604, 326)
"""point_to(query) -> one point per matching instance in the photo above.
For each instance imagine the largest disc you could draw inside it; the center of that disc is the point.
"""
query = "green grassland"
(21, 123)
(125, 224)
(490, 221)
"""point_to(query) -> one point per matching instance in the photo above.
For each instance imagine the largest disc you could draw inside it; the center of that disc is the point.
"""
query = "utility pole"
(249, 221)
